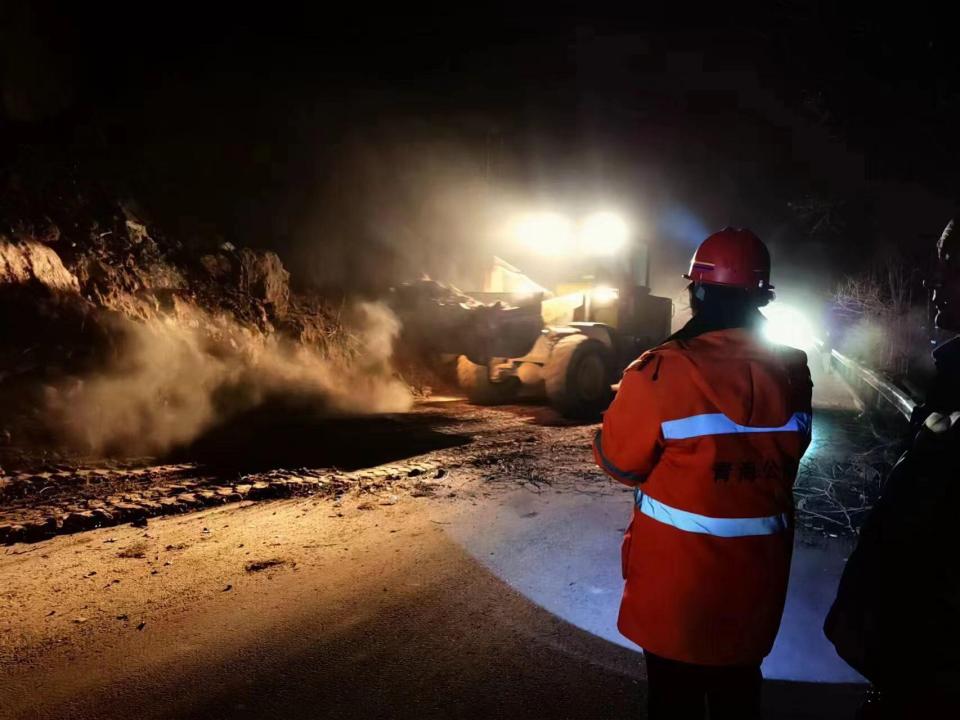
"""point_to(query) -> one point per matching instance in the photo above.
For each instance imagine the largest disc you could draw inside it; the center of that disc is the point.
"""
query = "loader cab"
(615, 293)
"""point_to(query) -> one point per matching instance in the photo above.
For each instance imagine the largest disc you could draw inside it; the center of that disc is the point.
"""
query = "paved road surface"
(490, 599)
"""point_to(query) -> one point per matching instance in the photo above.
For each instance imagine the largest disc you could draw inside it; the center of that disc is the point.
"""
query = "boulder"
(218, 266)
(263, 277)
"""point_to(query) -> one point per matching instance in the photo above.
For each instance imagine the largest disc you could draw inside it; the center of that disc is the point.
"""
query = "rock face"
(119, 339)
(31, 262)
(65, 306)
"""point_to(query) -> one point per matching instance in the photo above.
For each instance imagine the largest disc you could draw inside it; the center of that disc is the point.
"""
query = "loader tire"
(474, 380)
(579, 376)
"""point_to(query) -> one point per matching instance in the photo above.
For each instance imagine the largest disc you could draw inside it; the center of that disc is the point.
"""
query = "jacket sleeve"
(629, 444)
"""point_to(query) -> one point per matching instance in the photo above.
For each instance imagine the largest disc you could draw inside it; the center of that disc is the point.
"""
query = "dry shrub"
(884, 318)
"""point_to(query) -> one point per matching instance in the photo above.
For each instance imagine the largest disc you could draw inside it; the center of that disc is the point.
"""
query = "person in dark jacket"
(896, 617)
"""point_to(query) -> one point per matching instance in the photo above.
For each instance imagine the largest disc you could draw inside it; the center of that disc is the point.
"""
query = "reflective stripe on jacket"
(710, 432)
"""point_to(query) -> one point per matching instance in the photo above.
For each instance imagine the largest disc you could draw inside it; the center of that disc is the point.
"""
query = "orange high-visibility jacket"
(710, 432)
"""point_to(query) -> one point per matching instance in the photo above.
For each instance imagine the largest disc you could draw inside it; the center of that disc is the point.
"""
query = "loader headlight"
(603, 233)
(602, 295)
(552, 234)
(545, 233)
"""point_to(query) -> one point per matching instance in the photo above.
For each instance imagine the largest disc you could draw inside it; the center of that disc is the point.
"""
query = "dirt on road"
(309, 607)
(364, 602)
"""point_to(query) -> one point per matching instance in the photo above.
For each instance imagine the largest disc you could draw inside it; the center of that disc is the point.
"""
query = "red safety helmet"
(734, 257)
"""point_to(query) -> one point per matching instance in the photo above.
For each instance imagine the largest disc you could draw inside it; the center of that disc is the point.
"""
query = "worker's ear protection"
(699, 292)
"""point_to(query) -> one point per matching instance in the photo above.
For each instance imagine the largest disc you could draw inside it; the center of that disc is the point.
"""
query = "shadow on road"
(449, 640)
(416, 629)
(290, 433)
(536, 412)
(489, 653)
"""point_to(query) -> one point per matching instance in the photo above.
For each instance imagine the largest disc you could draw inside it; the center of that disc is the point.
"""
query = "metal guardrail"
(897, 397)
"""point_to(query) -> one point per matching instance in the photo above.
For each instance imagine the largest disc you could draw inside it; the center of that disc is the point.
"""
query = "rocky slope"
(119, 340)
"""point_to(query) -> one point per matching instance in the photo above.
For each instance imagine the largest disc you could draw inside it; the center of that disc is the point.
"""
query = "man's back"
(715, 427)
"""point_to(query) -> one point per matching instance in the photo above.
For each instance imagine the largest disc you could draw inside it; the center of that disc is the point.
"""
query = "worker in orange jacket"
(709, 429)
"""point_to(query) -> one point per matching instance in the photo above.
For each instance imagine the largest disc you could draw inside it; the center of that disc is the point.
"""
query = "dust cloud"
(400, 202)
(177, 376)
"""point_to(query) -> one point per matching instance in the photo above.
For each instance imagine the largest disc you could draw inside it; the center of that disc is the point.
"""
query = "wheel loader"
(568, 343)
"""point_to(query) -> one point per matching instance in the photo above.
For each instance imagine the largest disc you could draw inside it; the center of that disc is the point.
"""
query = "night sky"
(393, 144)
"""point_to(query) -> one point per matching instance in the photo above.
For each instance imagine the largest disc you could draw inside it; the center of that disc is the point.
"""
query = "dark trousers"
(681, 691)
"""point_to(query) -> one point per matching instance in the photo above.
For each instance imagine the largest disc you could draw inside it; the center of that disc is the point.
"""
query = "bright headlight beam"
(603, 233)
(604, 295)
(545, 233)
(786, 325)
